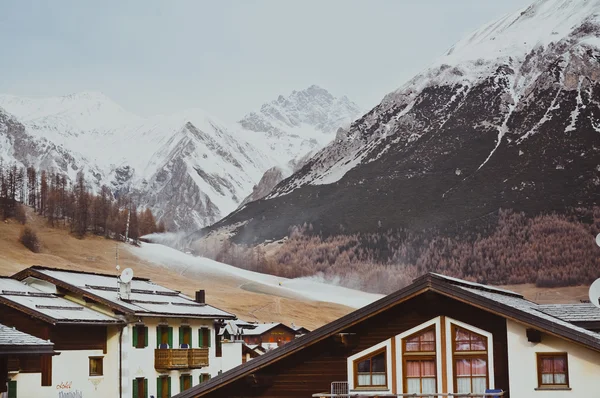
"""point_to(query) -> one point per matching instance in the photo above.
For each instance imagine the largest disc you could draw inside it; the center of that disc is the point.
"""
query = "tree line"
(549, 250)
(71, 204)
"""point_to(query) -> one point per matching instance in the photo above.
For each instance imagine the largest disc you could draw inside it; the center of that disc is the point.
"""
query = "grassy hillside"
(96, 254)
(60, 249)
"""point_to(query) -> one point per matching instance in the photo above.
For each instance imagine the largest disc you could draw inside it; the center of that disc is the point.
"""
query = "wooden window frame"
(366, 356)
(469, 355)
(97, 374)
(182, 379)
(419, 356)
(547, 386)
(140, 330)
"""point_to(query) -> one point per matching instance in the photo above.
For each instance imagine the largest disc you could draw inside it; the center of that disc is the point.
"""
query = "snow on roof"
(532, 309)
(146, 297)
(582, 312)
(477, 285)
(17, 294)
(13, 337)
(260, 328)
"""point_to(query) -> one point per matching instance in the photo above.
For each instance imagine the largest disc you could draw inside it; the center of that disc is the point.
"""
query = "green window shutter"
(170, 337)
(146, 382)
(158, 337)
(12, 389)
(208, 338)
(201, 378)
(169, 386)
(200, 338)
(181, 383)
(135, 389)
(146, 340)
(159, 387)
(180, 336)
(135, 336)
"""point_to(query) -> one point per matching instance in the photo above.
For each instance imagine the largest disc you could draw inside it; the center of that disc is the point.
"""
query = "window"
(470, 361)
(185, 337)
(140, 336)
(420, 363)
(96, 366)
(371, 371)
(12, 389)
(204, 377)
(185, 382)
(204, 337)
(552, 370)
(218, 346)
(163, 387)
(140, 388)
(164, 337)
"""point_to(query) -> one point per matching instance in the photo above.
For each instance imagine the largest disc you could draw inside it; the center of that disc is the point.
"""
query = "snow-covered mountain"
(305, 121)
(508, 118)
(189, 168)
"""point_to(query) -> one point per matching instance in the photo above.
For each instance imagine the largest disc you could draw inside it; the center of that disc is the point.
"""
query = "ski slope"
(304, 287)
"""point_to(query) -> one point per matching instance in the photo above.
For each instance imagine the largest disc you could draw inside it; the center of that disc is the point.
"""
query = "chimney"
(124, 290)
(200, 296)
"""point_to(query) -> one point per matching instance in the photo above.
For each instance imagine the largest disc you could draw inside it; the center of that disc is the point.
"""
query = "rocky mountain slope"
(305, 121)
(189, 168)
(508, 118)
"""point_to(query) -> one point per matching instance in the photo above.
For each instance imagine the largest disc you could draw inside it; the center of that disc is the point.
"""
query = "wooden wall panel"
(314, 368)
(79, 337)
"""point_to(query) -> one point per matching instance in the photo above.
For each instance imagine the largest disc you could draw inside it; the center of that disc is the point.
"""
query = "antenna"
(126, 275)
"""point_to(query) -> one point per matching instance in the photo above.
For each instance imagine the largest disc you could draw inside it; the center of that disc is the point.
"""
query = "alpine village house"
(437, 337)
(95, 336)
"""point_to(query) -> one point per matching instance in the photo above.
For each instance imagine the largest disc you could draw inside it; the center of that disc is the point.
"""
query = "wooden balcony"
(180, 358)
(197, 357)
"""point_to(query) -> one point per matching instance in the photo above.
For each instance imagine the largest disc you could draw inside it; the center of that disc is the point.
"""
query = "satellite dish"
(598, 239)
(595, 293)
(127, 275)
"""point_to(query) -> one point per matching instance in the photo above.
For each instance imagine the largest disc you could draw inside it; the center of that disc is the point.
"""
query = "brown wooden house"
(268, 335)
(439, 335)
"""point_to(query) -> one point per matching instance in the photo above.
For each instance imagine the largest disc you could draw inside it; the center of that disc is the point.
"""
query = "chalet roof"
(47, 306)
(13, 341)
(146, 298)
(261, 328)
(581, 312)
(499, 301)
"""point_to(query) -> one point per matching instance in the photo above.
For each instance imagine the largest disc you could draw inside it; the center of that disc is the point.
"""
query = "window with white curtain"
(552, 370)
(470, 357)
(419, 360)
(371, 371)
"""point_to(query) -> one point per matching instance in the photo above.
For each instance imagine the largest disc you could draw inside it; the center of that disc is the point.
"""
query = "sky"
(227, 57)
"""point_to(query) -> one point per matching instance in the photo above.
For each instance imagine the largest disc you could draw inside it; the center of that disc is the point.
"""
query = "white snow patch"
(310, 288)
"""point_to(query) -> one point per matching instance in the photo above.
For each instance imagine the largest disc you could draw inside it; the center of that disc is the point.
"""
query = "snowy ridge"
(301, 123)
(517, 56)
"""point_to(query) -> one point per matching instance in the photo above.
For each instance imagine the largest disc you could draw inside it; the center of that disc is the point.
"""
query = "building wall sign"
(66, 392)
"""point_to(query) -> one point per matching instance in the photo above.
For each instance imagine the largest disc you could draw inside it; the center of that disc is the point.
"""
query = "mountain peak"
(514, 35)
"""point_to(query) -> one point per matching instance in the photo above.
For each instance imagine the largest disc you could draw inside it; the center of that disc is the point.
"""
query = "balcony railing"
(180, 358)
(197, 357)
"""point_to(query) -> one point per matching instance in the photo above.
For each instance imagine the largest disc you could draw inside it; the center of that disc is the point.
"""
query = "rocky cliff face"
(303, 122)
(509, 118)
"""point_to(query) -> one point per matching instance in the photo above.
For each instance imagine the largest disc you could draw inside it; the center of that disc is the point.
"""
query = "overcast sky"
(227, 57)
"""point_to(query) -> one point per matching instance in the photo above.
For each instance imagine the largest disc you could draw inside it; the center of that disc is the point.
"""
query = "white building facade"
(142, 339)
